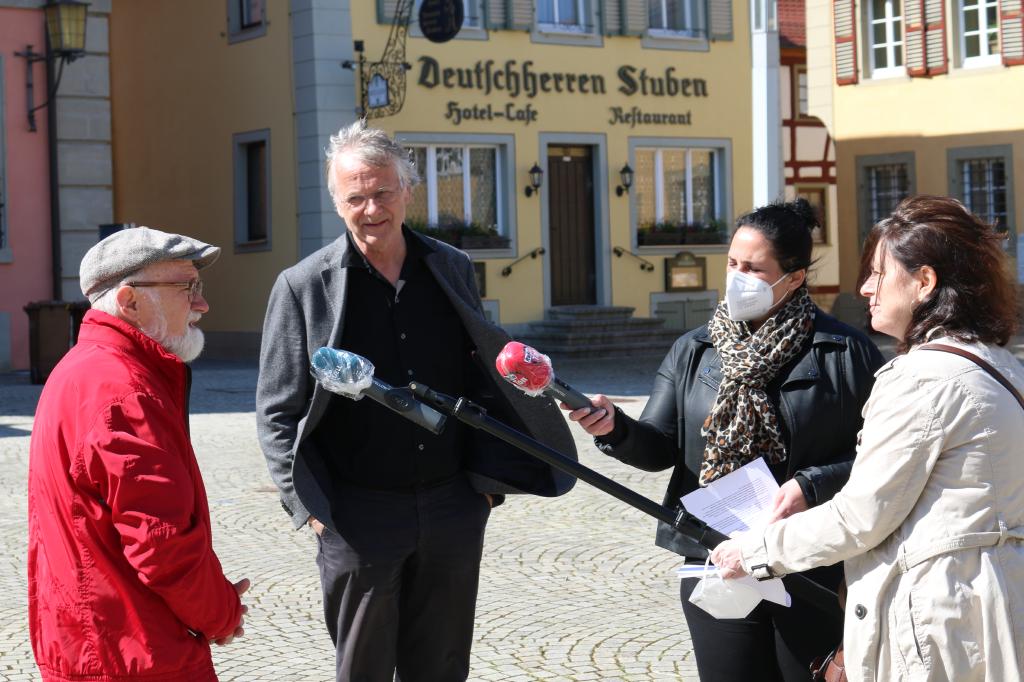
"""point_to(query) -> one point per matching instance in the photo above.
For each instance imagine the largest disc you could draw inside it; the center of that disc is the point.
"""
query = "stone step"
(595, 325)
(590, 331)
(582, 312)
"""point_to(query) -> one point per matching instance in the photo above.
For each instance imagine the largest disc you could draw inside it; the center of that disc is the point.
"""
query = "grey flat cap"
(131, 249)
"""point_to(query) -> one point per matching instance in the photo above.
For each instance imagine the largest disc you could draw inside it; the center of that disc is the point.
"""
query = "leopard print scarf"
(743, 424)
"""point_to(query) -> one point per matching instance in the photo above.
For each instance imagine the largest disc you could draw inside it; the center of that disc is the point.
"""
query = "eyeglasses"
(194, 287)
(381, 198)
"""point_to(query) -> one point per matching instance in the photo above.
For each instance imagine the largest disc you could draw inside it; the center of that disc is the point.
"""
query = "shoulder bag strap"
(980, 363)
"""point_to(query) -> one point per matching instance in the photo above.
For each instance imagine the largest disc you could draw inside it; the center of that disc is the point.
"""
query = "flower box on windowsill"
(674, 235)
(470, 236)
(469, 241)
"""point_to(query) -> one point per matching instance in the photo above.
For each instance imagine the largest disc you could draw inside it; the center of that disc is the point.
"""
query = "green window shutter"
(720, 19)
(633, 17)
(1011, 31)
(494, 14)
(844, 26)
(520, 14)
(611, 17)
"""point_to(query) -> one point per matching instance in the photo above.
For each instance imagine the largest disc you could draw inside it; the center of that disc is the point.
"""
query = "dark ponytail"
(787, 226)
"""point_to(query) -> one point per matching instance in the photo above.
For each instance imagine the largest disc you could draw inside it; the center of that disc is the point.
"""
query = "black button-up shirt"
(409, 332)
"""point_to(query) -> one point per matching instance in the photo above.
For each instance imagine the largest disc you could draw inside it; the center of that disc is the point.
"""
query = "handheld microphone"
(351, 375)
(530, 371)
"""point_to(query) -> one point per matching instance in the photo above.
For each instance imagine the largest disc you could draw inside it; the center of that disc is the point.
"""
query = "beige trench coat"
(930, 524)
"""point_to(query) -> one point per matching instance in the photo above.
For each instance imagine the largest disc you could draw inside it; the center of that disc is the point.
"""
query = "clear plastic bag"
(342, 372)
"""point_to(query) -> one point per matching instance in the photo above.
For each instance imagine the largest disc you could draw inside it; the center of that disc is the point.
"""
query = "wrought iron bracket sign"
(382, 82)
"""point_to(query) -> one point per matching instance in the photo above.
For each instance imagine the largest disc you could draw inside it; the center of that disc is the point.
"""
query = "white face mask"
(724, 598)
(747, 297)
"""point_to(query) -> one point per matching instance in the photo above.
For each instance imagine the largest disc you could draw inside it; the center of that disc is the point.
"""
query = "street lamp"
(65, 41)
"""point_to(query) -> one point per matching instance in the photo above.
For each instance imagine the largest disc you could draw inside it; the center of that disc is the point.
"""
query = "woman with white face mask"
(930, 524)
(770, 376)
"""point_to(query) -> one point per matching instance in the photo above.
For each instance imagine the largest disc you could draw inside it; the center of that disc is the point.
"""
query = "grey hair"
(106, 300)
(373, 147)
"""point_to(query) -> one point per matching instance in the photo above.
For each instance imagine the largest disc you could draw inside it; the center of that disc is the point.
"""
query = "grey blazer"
(307, 311)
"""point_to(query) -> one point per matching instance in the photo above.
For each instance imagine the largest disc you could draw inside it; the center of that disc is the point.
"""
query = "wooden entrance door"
(571, 225)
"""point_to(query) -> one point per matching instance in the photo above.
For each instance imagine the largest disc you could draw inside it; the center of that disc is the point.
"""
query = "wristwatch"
(762, 572)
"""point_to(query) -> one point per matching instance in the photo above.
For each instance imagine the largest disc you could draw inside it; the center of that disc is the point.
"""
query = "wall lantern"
(626, 178)
(536, 178)
(65, 41)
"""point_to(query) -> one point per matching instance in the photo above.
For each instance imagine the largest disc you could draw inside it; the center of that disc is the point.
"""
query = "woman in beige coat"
(931, 521)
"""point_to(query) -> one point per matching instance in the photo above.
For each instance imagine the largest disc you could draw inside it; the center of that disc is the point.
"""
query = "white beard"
(186, 346)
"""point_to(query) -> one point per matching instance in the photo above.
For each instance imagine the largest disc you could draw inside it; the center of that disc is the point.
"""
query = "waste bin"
(52, 331)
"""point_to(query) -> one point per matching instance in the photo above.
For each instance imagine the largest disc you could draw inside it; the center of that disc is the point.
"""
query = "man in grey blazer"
(398, 512)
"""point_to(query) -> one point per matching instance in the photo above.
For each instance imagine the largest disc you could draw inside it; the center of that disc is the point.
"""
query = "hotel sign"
(518, 79)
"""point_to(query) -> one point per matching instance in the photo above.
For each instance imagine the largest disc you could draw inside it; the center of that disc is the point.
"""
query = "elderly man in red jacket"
(123, 581)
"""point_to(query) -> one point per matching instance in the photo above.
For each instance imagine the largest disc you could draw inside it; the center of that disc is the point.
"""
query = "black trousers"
(772, 644)
(400, 582)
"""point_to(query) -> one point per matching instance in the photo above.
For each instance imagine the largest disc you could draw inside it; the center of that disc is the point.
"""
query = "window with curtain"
(885, 38)
(563, 15)
(983, 189)
(677, 194)
(460, 197)
(887, 185)
(685, 17)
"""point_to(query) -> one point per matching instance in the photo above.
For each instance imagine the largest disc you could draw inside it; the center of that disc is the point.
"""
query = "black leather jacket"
(818, 395)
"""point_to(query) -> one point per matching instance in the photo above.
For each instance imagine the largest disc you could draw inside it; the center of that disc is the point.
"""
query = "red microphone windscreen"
(524, 367)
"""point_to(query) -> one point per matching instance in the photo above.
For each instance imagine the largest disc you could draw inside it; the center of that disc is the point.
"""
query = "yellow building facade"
(492, 104)
(220, 122)
(190, 104)
(921, 98)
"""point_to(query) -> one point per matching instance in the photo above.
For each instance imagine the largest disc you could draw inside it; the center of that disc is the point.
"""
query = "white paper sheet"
(737, 502)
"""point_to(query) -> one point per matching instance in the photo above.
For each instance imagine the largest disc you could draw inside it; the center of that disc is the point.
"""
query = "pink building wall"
(25, 264)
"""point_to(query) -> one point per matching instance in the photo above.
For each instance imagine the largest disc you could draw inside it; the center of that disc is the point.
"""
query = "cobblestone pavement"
(571, 588)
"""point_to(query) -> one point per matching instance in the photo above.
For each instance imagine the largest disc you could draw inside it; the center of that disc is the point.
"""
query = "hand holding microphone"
(351, 375)
(531, 372)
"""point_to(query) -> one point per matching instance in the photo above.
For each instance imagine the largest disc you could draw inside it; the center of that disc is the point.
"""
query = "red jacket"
(123, 583)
